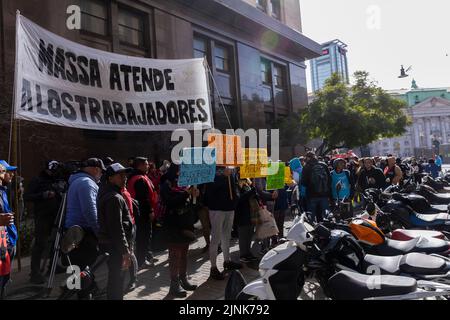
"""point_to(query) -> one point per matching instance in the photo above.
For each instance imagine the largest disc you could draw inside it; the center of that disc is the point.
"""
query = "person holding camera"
(116, 228)
(46, 201)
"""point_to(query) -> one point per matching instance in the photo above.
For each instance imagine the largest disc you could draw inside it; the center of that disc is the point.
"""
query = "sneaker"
(231, 265)
(131, 286)
(216, 274)
(147, 264)
(37, 279)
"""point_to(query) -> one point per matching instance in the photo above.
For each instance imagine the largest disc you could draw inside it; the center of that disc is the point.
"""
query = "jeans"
(317, 208)
(221, 225)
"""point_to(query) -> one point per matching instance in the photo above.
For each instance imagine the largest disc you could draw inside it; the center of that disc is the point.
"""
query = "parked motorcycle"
(284, 268)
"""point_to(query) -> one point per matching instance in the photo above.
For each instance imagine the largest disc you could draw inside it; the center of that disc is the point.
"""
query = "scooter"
(296, 258)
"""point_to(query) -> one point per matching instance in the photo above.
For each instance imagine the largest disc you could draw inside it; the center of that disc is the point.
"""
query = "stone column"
(416, 134)
(443, 131)
(427, 133)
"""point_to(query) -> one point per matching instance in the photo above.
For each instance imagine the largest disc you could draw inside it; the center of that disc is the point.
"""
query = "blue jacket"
(433, 169)
(5, 208)
(82, 202)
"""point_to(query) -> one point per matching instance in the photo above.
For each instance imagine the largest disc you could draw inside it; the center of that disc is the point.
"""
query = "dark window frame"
(144, 33)
(107, 21)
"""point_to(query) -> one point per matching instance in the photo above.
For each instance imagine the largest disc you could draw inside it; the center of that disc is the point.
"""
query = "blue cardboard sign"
(198, 165)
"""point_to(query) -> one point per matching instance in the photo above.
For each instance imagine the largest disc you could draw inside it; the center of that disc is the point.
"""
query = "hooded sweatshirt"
(81, 202)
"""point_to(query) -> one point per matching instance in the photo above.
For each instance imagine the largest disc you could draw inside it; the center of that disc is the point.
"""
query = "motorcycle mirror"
(72, 238)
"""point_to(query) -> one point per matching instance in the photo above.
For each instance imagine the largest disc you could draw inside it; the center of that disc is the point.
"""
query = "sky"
(383, 34)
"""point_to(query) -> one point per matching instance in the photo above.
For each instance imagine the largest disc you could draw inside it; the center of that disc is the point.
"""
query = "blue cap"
(7, 166)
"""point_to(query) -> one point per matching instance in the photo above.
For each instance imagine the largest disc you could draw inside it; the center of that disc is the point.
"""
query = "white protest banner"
(64, 83)
(198, 165)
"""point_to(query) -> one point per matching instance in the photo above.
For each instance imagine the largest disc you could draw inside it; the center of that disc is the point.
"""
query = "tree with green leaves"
(350, 116)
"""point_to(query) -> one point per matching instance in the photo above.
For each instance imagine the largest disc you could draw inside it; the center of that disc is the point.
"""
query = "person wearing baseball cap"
(115, 228)
(82, 210)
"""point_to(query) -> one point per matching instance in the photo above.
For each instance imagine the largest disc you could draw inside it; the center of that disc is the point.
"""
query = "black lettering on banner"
(94, 110)
(151, 114)
(161, 112)
(45, 57)
(126, 71)
(96, 80)
(84, 77)
(114, 77)
(131, 114)
(191, 104)
(71, 114)
(118, 113)
(137, 86)
(172, 112)
(27, 99)
(59, 64)
(142, 119)
(82, 102)
(158, 79)
(108, 113)
(147, 80)
(55, 109)
(72, 76)
(200, 103)
(169, 85)
(39, 101)
(183, 110)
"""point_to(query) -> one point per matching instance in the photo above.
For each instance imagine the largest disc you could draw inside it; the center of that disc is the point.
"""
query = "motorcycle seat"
(433, 217)
(346, 285)
(439, 207)
(422, 264)
(402, 246)
(408, 234)
(387, 264)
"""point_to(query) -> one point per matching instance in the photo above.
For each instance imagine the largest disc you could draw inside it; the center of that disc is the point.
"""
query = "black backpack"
(320, 179)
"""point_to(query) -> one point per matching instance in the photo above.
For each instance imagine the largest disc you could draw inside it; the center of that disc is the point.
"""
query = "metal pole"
(60, 219)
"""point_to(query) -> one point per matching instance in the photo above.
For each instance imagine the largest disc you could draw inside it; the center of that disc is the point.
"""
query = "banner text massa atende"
(64, 83)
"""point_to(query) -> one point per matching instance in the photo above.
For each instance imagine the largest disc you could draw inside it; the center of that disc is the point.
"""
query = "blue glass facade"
(333, 60)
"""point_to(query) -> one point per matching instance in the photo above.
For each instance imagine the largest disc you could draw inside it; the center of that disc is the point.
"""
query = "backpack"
(320, 180)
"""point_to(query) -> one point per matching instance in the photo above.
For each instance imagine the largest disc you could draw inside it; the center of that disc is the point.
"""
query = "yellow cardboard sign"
(287, 175)
(255, 163)
(228, 149)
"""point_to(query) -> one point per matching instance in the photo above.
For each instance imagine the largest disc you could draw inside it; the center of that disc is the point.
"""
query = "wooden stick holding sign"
(229, 188)
(194, 199)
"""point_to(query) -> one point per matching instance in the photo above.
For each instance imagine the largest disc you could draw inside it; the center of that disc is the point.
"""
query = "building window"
(265, 71)
(94, 16)
(200, 47)
(261, 5)
(131, 27)
(278, 76)
(276, 9)
(221, 58)
(406, 143)
(385, 144)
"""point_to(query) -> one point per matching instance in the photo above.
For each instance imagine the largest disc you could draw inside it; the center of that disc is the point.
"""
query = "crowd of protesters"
(117, 207)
